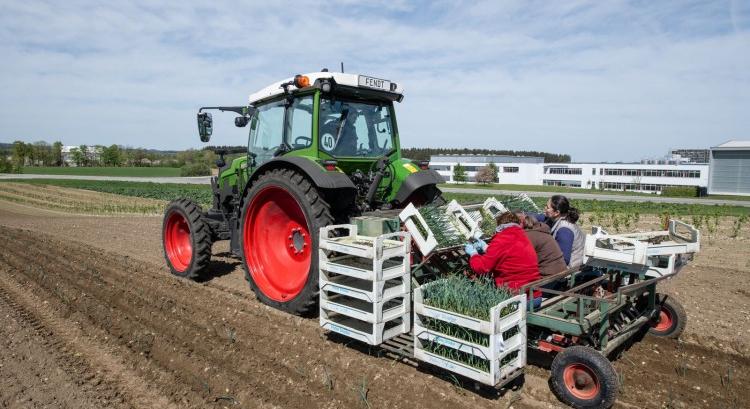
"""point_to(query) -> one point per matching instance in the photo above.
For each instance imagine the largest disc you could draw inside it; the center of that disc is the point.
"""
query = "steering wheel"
(363, 152)
(307, 141)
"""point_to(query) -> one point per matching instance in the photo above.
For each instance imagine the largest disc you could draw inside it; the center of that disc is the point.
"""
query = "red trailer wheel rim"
(177, 242)
(665, 320)
(277, 244)
(581, 381)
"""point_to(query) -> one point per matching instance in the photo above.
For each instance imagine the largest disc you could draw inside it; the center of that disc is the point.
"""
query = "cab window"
(355, 129)
(299, 123)
(267, 131)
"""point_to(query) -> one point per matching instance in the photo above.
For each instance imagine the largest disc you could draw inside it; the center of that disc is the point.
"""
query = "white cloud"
(571, 77)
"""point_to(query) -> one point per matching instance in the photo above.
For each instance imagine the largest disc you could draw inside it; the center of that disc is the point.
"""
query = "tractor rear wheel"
(186, 239)
(583, 378)
(281, 217)
(671, 321)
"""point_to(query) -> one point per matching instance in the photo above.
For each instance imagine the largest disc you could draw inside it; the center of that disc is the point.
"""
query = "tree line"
(20, 154)
(426, 153)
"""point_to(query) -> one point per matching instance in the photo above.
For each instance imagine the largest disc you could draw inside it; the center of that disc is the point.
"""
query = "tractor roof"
(340, 78)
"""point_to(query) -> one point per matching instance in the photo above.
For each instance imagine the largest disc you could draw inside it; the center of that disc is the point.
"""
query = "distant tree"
(57, 153)
(84, 150)
(77, 156)
(459, 173)
(42, 153)
(139, 157)
(6, 166)
(495, 170)
(426, 153)
(487, 174)
(20, 152)
(111, 156)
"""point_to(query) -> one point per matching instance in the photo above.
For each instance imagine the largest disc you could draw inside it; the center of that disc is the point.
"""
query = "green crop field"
(202, 194)
(104, 171)
(162, 191)
(563, 189)
(611, 206)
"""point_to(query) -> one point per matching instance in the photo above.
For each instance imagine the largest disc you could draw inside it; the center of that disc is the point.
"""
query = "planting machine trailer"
(329, 219)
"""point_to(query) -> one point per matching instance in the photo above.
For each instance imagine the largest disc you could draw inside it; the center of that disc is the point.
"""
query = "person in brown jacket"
(548, 253)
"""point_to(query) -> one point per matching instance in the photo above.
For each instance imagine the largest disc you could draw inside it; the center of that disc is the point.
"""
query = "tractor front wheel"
(672, 319)
(186, 239)
(282, 214)
(583, 378)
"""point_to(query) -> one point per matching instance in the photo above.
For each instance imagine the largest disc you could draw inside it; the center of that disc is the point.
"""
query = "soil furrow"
(148, 330)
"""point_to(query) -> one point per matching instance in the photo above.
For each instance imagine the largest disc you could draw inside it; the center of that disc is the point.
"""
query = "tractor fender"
(416, 181)
(319, 176)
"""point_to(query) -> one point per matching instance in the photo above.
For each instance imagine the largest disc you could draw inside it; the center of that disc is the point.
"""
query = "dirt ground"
(92, 318)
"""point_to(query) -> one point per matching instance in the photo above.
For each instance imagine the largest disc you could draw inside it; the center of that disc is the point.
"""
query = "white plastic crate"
(496, 376)
(461, 224)
(373, 334)
(658, 253)
(499, 346)
(368, 258)
(371, 312)
(491, 206)
(366, 290)
(462, 221)
(417, 227)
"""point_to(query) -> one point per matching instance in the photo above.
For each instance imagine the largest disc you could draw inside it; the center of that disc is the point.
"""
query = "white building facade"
(730, 169)
(635, 177)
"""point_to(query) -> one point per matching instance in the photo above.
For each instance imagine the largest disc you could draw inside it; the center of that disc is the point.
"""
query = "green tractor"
(323, 147)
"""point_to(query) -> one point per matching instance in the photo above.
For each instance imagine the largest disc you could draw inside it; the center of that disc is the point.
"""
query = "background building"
(92, 154)
(692, 155)
(730, 169)
(638, 177)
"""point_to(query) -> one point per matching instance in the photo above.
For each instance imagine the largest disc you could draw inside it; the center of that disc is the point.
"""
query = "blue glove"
(470, 250)
(480, 245)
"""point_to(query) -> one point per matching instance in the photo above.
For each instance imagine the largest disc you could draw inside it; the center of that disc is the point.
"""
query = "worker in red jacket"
(509, 257)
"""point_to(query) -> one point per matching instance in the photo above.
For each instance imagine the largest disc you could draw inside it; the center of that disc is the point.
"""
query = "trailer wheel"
(671, 321)
(281, 217)
(186, 239)
(583, 378)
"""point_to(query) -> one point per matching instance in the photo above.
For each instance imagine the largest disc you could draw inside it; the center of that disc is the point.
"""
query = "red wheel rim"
(665, 320)
(277, 244)
(177, 242)
(581, 381)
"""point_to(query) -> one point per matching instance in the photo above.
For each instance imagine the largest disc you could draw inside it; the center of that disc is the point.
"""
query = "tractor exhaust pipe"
(379, 172)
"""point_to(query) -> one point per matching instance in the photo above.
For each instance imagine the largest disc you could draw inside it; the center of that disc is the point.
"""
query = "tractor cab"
(340, 123)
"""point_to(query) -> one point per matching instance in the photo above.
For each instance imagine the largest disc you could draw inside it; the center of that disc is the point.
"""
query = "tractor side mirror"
(241, 121)
(205, 126)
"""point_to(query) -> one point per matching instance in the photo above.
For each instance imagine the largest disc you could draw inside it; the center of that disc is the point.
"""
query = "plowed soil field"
(92, 318)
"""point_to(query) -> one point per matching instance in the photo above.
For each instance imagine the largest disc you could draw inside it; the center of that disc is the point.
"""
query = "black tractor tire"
(675, 316)
(186, 239)
(317, 214)
(583, 378)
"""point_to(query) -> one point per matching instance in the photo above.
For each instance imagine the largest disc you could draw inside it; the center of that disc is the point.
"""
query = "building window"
(440, 167)
(593, 171)
(510, 169)
(568, 183)
(564, 171)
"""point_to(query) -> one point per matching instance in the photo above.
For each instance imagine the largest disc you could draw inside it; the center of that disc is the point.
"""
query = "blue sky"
(600, 80)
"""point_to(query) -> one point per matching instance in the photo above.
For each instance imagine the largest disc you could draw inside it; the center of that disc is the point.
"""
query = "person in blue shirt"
(562, 219)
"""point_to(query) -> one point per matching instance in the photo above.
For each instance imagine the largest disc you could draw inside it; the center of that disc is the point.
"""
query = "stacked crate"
(494, 364)
(365, 284)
